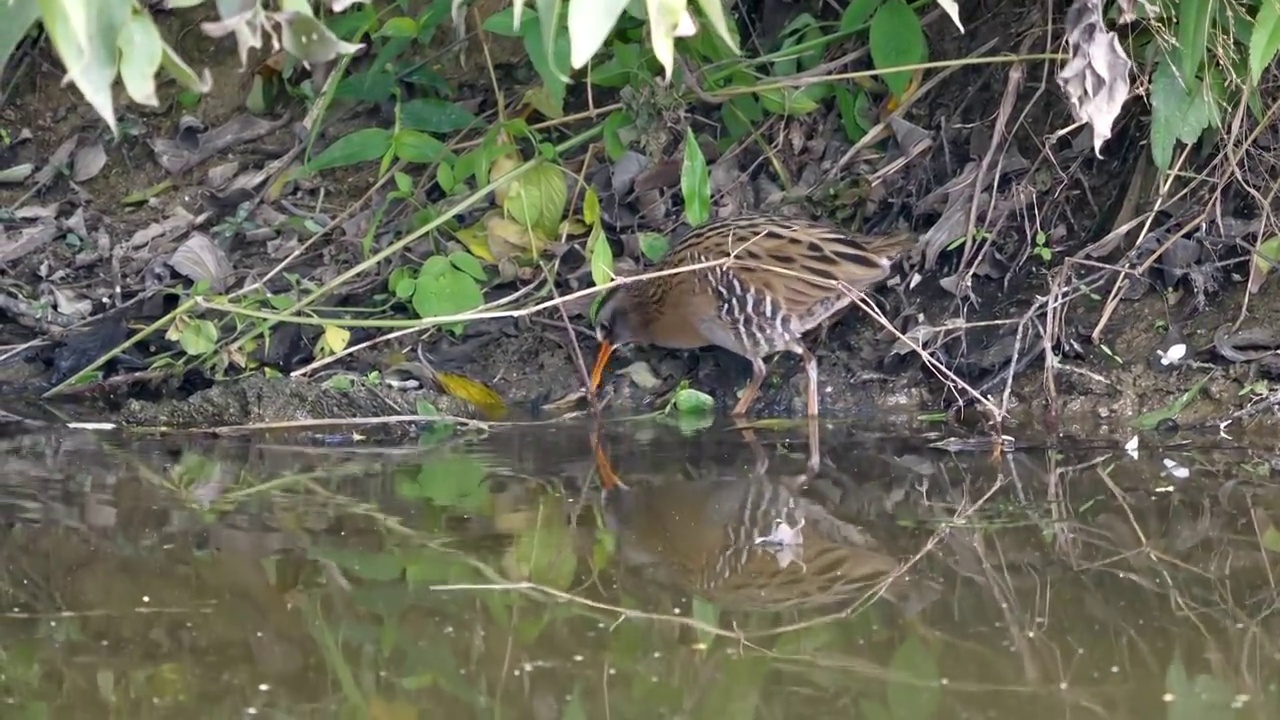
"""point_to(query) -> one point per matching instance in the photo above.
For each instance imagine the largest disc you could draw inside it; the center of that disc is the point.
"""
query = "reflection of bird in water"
(741, 542)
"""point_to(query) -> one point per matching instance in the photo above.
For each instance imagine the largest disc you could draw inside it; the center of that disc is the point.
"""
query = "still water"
(488, 575)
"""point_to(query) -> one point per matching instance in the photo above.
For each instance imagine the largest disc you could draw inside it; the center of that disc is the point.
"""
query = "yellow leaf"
(477, 394)
(508, 238)
(477, 244)
(336, 338)
(502, 165)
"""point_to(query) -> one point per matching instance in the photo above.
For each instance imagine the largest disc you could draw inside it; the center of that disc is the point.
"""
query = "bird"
(752, 284)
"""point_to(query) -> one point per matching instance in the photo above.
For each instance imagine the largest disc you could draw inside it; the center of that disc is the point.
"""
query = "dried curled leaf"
(1096, 78)
(199, 258)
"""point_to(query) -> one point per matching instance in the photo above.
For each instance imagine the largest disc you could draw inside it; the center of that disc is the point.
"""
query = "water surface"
(490, 576)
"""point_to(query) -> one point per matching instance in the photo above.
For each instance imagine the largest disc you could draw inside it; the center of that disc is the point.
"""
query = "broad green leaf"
(442, 289)
(537, 200)
(418, 147)
(199, 337)
(546, 62)
(1265, 40)
(688, 400)
(1168, 100)
(85, 34)
(19, 16)
(590, 24)
(505, 23)
(435, 116)
(847, 104)
(896, 40)
(695, 182)
(360, 146)
(856, 14)
(707, 614)
(654, 245)
(548, 24)
(914, 692)
(141, 51)
(469, 264)
(1193, 34)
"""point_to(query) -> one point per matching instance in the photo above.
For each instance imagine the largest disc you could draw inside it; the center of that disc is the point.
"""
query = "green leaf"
(418, 147)
(19, 17)
(1193, 34)
(548, 24)
(141, 51)
(654, 245)
(590, 23)
(707, 614)
(199, 337)
(399, 26)
(1178, 112)
(695, 181)
(914, 691)
(591, 207)
(1265, 40)
(85, 34)
(435, 116)
(713, 10)
(856, 14)
(896, 39)
(688, 400)
(445, 178)
(614, 146)
(469, 264)
(360, 146)
(442, 289)
(601, 256)
(787, 101)
(537, 200)
(503, 22)
(847, 105)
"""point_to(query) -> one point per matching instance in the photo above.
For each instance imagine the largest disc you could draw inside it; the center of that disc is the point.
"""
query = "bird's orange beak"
(606, 349)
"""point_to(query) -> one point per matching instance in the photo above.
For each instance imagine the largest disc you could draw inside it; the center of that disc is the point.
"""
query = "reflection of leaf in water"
(544, 553)
(429, 566)
(574, 710)
(914, 693)
(378, 567)
(736, 690)
(805, 641)
(707, 614)
(449, 480)
(1205, 698)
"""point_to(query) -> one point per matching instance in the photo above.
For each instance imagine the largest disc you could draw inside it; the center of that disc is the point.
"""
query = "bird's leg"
(810, 369)
(758, 371)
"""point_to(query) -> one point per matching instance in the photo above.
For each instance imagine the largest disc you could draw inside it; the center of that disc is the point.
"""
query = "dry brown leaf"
(1096, 77)
(88, 162)
(199, 258)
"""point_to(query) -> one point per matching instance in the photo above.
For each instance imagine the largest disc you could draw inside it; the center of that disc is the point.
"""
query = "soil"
(1081, 386)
